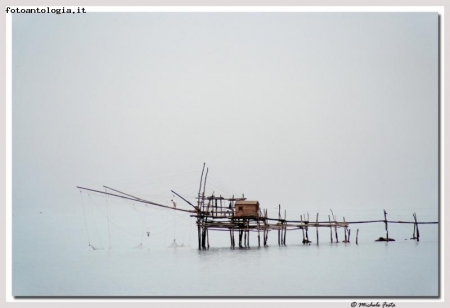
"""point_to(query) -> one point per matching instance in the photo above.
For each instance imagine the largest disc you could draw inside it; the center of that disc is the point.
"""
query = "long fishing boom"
(132, 198)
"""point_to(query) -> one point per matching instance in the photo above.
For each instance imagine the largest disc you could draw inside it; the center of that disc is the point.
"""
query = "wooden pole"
(279, 237)
(279, 221)
(307, 238)
(285, 228)
(386, 225)
(232, 234)
(198, 231)
(345, 231)
(266, 232)
(357, 233)
(417, 226)
(317, 229)
(335, 227)
(239, 236)
(207, 236)
(204, 184)
(303, 230)
(245, 238)
(335, 233)
(200, 187)
(331, 229)
(259, 243)
(204, 237)
(279, 233)
(248, 234)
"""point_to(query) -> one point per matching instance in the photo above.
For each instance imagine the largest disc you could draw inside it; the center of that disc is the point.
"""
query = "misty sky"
(310, 110)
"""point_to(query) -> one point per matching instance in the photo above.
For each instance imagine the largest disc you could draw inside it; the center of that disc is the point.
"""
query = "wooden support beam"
(240, 237)
(245, 237)
(306, 231)
(279, 235)
(259, 242)
(317, 229)
(232, 238)
(199, 235)
(200, 188)
(331, 229)
(345, 232)
(417, 226)
(248, 237)
(386, 225)
(335, 233)
(204, 238)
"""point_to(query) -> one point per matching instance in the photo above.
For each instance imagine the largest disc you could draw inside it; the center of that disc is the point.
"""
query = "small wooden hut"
(246, 209)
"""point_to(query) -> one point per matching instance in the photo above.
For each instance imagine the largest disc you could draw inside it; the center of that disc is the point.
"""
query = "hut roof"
(247, 202)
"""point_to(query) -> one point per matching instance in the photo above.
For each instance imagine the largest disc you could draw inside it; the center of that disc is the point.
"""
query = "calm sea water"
(51, 257)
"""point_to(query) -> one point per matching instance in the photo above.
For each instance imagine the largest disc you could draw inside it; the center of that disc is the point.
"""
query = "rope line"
(143, 223)
(85, 220)
(112, 222)
(107, 214)
(96, 227)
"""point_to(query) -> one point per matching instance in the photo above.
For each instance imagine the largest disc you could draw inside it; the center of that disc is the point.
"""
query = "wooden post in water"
(349, 235)
(303, 229)
(240, 237)
(307, 238)
(284, 229)
(245, 237)
(259, 243)
(345, 231)
(331, 229)
(335, 230)
(357, 233)
(278, 236)
(335, 226)
(199, 237)
(279, 229)
(248, 233)
(207, 236)
(416, 226)
(266, 232)
(204, 237)
(232, 235)
(317, 228)
(282, 233)
(386, 225)
(199, 219)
